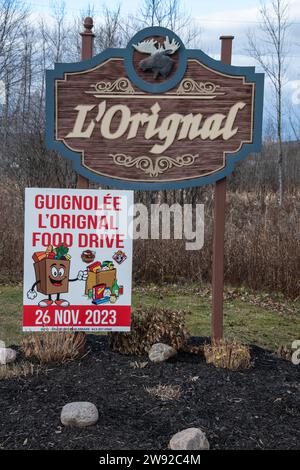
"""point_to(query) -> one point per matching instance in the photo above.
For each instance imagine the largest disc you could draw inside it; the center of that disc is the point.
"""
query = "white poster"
(77, 260)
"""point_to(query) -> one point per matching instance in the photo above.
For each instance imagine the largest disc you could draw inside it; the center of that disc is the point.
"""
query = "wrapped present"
(94, 267)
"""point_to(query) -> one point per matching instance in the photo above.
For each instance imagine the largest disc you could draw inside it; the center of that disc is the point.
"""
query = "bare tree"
(12, 15)
(269, 49)
(166, 13)
(56, 34)
(110, 32)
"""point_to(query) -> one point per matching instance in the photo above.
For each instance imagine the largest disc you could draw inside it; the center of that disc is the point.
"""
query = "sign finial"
(88, 25)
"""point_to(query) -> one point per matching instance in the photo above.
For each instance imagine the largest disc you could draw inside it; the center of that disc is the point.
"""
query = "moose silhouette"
(159, 61)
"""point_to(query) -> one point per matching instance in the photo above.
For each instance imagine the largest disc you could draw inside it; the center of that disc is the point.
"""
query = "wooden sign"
(154, 115)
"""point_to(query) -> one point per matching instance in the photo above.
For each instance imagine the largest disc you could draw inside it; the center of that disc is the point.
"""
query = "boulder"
(7, 355)
(160, 352)
(79, 414)
(189, 439)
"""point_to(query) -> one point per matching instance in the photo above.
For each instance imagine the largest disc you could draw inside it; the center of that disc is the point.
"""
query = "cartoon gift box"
(53, 276)
(52, 269)
(97, 274)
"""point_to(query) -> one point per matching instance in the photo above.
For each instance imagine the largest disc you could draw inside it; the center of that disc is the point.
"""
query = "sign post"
(219, 229)
(87, 45)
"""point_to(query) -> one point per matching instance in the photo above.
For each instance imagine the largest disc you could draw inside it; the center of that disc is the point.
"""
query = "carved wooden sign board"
(154, 115)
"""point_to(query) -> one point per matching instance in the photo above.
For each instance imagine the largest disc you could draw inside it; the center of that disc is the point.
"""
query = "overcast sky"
(215, 17)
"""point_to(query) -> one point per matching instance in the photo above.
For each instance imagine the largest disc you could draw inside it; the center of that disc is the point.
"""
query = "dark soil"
(255, 409)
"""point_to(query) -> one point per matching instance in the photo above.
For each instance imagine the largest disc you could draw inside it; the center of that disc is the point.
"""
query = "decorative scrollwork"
(153, 167)
(190, 86)
(120, 86)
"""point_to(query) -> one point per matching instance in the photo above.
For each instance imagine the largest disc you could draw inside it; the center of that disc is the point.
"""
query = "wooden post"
(219, 229)
(87, 43)
(86, 53)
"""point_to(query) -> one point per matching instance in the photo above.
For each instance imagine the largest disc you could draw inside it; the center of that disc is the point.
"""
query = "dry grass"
(228, 355)
(22, 369)
(138, 365)
(261, 247)
(285, 352)
(165, 392)
(59, 346)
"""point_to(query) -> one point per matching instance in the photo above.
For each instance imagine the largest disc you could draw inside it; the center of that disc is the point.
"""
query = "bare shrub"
(55, 346)
(228, 355)
(285, 352)
(11, 231)
(150, 326)
(165, 392)
(22, 369)
(261, 248)
(261, 244)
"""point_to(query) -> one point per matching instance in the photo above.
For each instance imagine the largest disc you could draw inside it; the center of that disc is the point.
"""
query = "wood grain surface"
(209, 155)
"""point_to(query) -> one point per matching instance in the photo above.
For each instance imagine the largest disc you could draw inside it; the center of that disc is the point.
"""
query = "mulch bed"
(255, 409)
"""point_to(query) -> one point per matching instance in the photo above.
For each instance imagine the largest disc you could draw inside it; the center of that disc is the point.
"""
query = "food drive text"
(97, 229)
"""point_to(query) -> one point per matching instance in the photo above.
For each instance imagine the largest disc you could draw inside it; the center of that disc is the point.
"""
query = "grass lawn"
(249, 317)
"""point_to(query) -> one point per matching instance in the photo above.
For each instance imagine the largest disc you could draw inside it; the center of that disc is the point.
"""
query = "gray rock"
(7, 355)
(79, 414)
(160, 352)
(189, 439)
